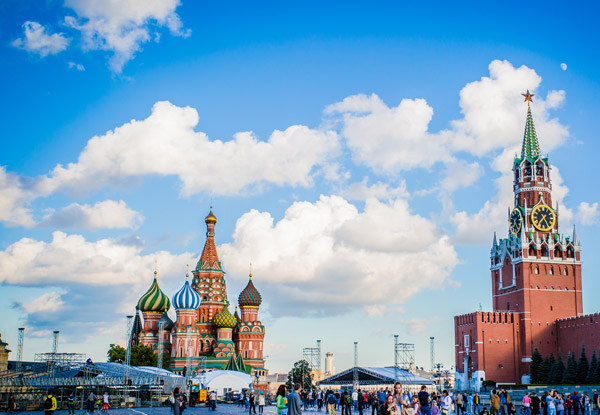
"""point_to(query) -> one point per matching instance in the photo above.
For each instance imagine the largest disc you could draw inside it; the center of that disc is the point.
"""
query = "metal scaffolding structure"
(161, 335)
(20, 347)
(128, 337)
(55, 342)
(355, 382)
(313, 356)
(432, 351)
(404, 359)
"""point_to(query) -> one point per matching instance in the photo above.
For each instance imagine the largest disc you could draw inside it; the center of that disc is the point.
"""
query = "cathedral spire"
(531, 146)
(575, 241)
(495, 242)
(209, 258)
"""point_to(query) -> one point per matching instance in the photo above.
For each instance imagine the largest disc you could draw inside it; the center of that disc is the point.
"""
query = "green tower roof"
(531, 145)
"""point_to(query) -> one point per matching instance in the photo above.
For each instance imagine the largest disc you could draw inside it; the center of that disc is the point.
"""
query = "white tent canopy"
(222, 381)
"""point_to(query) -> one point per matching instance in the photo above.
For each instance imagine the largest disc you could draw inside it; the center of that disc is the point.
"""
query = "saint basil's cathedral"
(204, 335)
(536, 285)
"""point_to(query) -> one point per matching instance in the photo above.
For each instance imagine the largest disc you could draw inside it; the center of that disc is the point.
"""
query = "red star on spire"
(528, 96)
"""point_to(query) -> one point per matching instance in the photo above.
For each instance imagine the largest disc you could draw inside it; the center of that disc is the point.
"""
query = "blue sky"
(357, 155)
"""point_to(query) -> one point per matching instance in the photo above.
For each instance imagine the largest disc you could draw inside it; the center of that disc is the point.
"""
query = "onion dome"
(250, 297)
(211, 218)
(225, 319)
(187, 297)
(166, 322)
(154, 299)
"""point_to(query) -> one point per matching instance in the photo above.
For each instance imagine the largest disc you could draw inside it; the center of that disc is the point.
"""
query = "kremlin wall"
(205, 335)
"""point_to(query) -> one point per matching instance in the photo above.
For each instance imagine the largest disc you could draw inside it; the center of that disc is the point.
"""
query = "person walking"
(281, 400)
(11, 403)
(294, 402)
(50, 404)
(526, 404)
(447, 402)
(576, 403)
(261, 402)
(361, 402)
(251, 403)
(560, 405)
(355, 400)
(105, 402)
(390, 407)
(587, 405)
(213, 400)
(91, 402)
(535, 404)
(476, 403)
(424, 399)
(459, 403)
(331, 402)
(177, 402)
(494, 403)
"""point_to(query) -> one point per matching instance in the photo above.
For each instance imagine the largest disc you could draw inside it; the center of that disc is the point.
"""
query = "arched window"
(539, 169)
(527, 168)
(566, 271)
(570, 252)
(545, 250)
(537, 270)
(557, 252)
(532, 250)
(551, 271)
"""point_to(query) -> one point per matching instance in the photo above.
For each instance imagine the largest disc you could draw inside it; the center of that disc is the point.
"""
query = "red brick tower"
(209, 282)
(536, 271)
(250, 332)
(536, 280)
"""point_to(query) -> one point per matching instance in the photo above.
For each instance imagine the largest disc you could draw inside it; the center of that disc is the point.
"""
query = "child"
(484, 412)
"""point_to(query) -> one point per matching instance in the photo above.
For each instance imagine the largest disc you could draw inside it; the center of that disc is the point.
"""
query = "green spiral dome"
(154, 299)
(225, 319)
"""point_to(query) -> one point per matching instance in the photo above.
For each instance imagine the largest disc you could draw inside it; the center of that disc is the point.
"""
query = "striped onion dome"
(166, 322)
(225, 319)
(154, 299)
(250, 297)
(187, 297)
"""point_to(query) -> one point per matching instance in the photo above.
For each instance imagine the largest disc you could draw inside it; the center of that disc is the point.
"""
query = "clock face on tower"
(543, 218)
(516, 221)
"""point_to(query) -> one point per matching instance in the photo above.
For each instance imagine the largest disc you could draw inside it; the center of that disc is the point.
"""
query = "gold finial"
(528, 96)
(187, 273)
(155, 267)
(251, 271)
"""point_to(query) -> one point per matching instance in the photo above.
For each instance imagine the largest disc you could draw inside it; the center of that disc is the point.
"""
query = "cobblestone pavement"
(223, 409)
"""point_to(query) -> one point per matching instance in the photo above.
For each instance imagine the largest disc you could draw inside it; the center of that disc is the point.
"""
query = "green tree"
(593, 368)
(140, 355)
(558, 371)
(545, 369)
(583, 367)
(535, 366)
(302, 374)
(570, 377)
(596, 378)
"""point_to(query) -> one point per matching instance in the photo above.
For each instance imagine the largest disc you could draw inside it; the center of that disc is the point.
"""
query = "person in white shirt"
(355, 399)
(261, 402)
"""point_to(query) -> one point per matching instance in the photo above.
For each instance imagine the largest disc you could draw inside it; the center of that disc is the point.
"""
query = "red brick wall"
(575, 331)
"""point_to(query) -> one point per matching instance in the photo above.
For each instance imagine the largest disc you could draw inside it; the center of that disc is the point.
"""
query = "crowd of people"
(383, 402)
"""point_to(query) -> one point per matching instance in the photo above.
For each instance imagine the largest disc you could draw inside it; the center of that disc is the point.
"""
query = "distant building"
(329, 364)
(3, 355)
(274, 380)
(205, 334)
(375, 378)
(536, 285)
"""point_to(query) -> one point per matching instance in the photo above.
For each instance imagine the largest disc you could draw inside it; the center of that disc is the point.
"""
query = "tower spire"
(531, 146)
(575, 241)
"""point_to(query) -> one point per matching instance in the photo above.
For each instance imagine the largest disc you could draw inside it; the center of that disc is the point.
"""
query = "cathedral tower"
(153, 305)
(186, 344)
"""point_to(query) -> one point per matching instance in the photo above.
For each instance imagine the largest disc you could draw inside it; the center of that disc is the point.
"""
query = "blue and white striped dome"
(187, 297)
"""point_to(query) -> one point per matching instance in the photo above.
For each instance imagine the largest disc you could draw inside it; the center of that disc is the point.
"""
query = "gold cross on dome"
(528, 96)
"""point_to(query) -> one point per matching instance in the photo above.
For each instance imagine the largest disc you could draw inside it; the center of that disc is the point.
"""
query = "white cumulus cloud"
(71, 259)
(107, 214)
(38, 39)
(327, 256)
(45, 303)
(587, 213)
(122, 26)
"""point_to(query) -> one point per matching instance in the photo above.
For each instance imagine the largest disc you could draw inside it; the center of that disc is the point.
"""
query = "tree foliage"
(140, 355)
(558, 371)
(570, 377)
(583, 366)
(534, 368)
(302, 374)
(593, 367)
